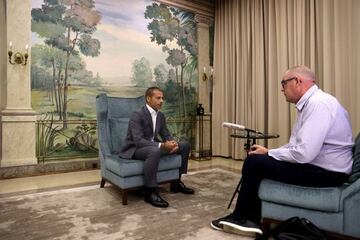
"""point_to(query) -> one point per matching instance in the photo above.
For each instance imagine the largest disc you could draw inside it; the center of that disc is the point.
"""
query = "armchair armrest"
(350, 199)
(350, 190)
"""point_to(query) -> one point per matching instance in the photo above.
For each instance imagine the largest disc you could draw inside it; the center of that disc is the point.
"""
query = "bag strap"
(312, 228)
(281, 227)
(294, 228)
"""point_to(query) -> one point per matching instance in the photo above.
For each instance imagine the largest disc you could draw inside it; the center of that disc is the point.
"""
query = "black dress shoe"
(155, 200)
(179, 186)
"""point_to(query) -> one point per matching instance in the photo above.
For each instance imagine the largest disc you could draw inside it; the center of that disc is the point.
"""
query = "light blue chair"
(335, 210)
(113, 114)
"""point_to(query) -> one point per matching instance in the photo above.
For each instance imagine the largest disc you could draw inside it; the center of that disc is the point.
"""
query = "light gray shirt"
(322, 134)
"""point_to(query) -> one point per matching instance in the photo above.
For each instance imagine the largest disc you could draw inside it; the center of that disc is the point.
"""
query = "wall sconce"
(204, 77)
(211, 74)
(19, 58)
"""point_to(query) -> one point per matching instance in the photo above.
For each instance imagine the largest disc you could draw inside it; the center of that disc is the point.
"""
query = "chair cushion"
(131, 167)
(321, 199)
(355, 172)
(118, 131)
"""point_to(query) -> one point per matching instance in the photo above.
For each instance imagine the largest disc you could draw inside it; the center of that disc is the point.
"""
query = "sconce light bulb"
(27, 47)
(10, 45)
(204, 77)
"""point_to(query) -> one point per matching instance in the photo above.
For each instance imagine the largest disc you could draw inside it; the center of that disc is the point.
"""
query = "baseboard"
(49, 167)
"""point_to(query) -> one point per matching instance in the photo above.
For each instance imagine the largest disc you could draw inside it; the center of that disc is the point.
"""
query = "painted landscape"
(81, 48)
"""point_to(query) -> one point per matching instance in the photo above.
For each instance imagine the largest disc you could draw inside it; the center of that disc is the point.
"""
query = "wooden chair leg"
(124, 197)
(265, 225)
(102, 183)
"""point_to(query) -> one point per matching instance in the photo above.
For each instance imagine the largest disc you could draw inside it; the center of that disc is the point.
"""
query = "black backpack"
(294, 228)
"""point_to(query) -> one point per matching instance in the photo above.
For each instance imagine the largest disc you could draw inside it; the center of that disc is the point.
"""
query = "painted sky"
(124, 38)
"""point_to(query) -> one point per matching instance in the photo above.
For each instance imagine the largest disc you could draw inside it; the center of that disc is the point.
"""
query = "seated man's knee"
(253, 162)
(184, 147)
(157, 152)
(154, 152)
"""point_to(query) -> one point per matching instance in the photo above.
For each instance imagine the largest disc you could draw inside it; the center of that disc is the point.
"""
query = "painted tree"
(68, 25)
(49, 59)
(141, 72)
(160, 73)
(166, 26)
(171, 92)
(86, 77)
(39, 79)
(188, 21)
(52, 60)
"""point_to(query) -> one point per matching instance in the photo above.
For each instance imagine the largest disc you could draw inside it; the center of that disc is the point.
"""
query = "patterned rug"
(93, 213)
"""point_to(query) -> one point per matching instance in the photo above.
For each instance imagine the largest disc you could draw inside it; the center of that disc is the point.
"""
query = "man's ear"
(148, 99)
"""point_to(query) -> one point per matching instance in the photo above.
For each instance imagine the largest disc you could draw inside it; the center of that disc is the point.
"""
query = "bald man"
(318, 153)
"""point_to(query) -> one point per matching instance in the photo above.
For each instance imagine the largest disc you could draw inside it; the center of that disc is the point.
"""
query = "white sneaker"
(242, 227)
(215, 224)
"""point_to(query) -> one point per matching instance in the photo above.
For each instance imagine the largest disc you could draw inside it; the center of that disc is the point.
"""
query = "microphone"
(233, 126)
(238, 127)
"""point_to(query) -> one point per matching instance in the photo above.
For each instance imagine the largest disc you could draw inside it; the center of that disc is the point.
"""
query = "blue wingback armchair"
(113, 114)
(334, 209)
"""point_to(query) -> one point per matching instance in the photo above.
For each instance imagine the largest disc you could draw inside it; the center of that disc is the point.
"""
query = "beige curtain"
(257, 40)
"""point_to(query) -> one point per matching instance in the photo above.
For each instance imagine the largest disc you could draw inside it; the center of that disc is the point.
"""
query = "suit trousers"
(152, 155)
(258, 167)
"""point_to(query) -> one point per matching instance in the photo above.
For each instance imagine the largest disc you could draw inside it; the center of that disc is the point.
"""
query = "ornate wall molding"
(202, 7)
(202, 19)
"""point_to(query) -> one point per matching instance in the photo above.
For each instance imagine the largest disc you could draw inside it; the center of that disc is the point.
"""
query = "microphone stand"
(247, 149)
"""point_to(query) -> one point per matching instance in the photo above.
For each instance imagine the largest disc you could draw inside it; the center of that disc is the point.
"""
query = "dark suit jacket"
(140, 132)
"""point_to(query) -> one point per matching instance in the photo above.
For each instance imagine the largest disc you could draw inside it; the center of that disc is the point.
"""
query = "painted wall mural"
(81, 48)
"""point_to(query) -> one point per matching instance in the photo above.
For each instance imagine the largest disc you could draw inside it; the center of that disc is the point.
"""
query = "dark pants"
(152, 156)
(258, 167)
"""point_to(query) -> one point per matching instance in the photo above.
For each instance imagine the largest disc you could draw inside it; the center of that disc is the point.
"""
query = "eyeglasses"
(284, 82)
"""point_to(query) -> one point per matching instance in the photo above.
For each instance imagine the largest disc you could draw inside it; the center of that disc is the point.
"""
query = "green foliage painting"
(81, 48)
(171, 25)
(67, 29)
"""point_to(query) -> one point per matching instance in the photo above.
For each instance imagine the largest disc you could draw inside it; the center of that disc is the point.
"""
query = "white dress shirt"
(322, 134)
(153, 114)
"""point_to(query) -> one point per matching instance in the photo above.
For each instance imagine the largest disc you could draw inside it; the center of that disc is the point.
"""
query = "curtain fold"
(257, 40)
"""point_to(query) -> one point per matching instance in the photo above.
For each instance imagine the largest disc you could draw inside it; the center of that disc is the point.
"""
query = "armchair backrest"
(355, 172)
(113, 114)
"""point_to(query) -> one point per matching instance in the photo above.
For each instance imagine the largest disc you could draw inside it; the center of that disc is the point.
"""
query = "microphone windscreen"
(233, 126)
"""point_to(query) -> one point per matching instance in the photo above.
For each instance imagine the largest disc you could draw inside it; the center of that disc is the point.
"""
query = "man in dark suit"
(142, 142)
